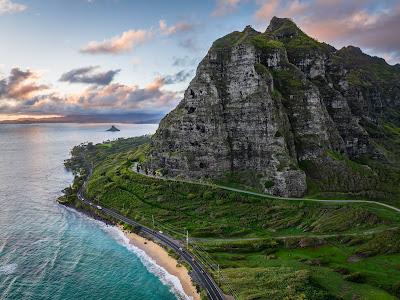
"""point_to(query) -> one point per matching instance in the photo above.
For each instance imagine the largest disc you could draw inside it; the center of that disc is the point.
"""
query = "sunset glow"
(13, 117)
(139, 57)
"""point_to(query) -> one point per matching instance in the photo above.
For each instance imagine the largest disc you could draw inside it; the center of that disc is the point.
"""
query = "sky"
(67, 57)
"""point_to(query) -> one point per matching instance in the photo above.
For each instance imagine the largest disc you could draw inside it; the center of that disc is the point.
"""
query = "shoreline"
(151, 249)
(164, 260)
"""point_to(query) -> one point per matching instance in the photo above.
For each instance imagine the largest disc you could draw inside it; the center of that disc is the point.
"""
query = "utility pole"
(152, 217)
(187, 239)
(219, 275)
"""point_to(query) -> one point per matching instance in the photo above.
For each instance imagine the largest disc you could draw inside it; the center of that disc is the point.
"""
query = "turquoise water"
(50, 252)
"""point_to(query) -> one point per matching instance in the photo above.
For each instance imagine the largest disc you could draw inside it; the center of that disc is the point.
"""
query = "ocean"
(48, 251)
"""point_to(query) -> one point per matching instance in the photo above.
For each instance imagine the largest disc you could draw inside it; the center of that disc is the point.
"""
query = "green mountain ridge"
(275, 112)
(293, 114)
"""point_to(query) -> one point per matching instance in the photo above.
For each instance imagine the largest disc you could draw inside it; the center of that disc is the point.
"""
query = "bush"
(355, 277)
(269, 184)
(396, 289)
(208, 195)
(342, 271)
(191, 196)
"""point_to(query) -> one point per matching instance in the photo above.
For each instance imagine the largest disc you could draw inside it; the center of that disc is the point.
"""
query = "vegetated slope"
(287, 115)
(267, 249)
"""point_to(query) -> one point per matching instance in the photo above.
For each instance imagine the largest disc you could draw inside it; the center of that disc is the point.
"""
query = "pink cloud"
(369, 24)
(21, 84)
(9, 7)
(125, 42)
(267, 9)
(178, 27)
(224, 7)
(111, 98)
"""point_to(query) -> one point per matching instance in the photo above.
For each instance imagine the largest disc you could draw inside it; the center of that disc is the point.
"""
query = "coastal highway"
(204, 279)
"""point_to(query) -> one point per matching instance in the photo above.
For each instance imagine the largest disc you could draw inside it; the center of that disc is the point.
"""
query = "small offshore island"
(113, 129)
(271, 174)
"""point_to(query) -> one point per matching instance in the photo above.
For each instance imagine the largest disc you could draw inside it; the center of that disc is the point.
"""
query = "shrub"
(396, 289)
(355, 277)
(342, 271)
(263, 43)
(191, 196)
(269, 184)
(208, 195)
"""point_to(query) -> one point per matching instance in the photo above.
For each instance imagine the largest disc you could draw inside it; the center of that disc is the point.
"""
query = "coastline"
(164, 260)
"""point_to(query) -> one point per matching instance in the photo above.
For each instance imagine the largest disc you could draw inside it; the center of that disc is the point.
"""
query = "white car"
(161, 232)
(99, 207)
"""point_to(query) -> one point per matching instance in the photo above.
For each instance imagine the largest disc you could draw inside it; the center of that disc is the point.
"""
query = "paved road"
(266, 195)
(205, 280)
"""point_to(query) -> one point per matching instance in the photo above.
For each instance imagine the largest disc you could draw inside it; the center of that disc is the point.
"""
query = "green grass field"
(266, 248)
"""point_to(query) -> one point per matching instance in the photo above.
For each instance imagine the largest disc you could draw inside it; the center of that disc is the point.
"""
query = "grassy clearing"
(268, 249)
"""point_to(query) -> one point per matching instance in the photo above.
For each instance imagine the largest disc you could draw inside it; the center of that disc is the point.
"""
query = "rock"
(113, 129)
(276, 104)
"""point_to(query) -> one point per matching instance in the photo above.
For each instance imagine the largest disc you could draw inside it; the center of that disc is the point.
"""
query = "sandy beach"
(161, 257)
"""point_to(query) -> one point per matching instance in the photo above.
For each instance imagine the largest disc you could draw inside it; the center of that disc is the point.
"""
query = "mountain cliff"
(288, 115)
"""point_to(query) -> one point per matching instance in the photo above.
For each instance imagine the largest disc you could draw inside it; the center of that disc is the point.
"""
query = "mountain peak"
(281, 24)
(247, 113)
(352, 49)
(249, 30)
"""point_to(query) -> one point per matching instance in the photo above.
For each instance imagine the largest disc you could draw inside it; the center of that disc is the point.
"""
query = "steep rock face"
(270, 103)
(229, 122)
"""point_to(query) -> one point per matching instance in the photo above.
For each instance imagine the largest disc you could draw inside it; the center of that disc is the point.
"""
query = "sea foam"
(166, 278)
(8, 269)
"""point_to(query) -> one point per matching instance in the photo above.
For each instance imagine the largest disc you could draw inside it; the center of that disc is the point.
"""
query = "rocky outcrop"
(113, 129)
(269, 103)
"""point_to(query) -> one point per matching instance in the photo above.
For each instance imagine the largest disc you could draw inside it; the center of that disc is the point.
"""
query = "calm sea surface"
(50, 252)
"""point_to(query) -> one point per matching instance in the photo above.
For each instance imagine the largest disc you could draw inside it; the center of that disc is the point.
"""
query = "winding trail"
(212, 185)
(284, 237)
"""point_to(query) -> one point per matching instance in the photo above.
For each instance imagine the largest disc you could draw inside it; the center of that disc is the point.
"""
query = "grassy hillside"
(267, 249)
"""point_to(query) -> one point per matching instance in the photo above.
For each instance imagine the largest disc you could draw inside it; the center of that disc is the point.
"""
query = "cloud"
(87, 75)
(9, 7)
(176, 28)
(224, 7)
(184, 61)
(120, 97)
(128, 40)
(267, 8)
(136, 61)
(21, 84)
(125, 42)
(162, 80)
(178, 77)
(156, 84)
(189, 43)
(369, 24)
(95, 99)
